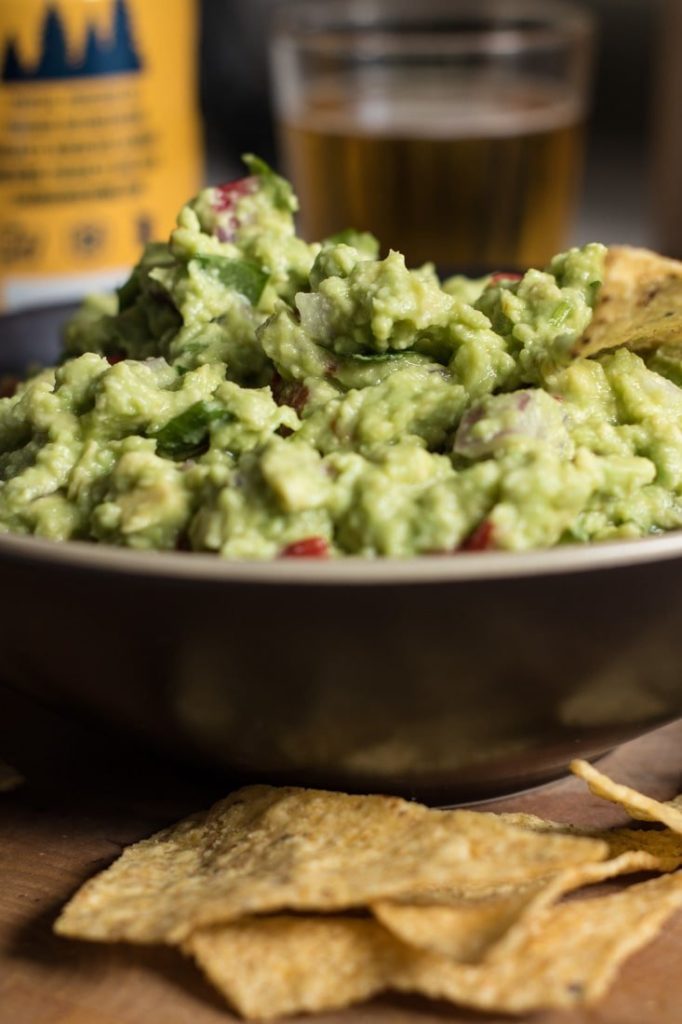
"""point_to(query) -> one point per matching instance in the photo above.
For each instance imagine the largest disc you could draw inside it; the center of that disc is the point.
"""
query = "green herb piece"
(279, 188)
(245, 277)
(156, 254)
(185, 435)
(561, 313)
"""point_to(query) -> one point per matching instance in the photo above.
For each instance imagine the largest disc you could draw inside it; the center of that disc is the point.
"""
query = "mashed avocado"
(249, 394)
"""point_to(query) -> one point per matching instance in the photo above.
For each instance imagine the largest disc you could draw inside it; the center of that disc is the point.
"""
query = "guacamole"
(250, 394)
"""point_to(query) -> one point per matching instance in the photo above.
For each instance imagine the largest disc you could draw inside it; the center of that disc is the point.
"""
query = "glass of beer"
(451, 129)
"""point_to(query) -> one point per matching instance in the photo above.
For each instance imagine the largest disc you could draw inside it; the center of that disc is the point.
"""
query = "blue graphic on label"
(113, 54)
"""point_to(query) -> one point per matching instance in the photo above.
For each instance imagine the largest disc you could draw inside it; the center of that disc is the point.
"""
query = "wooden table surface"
(86, 797)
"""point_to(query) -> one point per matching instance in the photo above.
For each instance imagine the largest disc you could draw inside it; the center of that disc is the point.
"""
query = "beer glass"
(452, 129)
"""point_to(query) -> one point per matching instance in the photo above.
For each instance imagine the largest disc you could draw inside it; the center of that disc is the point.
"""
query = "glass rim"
(394, 24)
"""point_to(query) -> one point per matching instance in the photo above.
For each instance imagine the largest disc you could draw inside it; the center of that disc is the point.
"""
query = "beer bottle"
(99, 139)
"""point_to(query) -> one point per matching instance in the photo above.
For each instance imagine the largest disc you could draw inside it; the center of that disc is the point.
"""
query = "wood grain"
(88, 795)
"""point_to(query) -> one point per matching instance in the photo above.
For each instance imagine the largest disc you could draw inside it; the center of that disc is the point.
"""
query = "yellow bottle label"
(99, 138)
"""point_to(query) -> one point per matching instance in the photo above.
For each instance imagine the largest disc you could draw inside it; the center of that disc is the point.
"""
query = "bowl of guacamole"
(306, 514)
(253, 396)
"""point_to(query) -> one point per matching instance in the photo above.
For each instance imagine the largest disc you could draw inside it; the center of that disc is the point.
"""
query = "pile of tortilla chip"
(295, 900)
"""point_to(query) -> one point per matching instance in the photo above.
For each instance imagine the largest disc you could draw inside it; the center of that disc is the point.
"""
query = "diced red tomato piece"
(482, 539)
(115, 357)
(504, 275)
(227, 195)
(224, 203)
(309, 547)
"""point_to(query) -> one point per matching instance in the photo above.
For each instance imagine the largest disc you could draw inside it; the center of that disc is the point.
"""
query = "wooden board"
(87, 796)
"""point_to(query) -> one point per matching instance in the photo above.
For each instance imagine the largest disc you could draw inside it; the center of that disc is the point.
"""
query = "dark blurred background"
(617, 195)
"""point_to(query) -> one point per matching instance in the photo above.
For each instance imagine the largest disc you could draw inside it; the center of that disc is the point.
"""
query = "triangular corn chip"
(639, 806)
(468, 928)
(274, 966)
(566, 955)
(639, 303)
(266, 849)
(663, 845)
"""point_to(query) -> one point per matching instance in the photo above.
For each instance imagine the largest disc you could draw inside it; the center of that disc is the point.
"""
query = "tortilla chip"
(459, 926)
(644, 808)
(531, 821)
(568, 957)
(639, 303)
(269, 967)
(664, 846)
(502, 854)
(266, 849)
(468, 928)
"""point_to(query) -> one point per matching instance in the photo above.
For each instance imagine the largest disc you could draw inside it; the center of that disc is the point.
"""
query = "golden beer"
(476, 182)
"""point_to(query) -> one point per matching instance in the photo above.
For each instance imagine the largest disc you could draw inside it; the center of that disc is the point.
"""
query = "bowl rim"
(351, 570)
